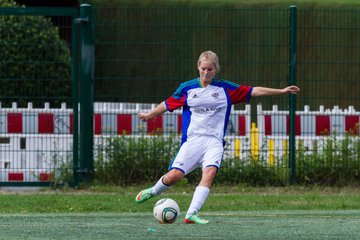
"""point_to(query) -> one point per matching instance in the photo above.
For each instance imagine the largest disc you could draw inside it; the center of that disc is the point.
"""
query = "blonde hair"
(209, 55)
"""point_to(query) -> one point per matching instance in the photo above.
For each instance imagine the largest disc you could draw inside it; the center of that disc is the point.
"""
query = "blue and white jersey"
(206, 110)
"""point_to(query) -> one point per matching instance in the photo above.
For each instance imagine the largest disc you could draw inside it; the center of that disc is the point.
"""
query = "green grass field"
(245, 2)
(288, 2)
(224, 225)
(235, 212)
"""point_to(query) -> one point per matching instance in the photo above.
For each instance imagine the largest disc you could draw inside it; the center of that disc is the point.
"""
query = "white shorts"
(198, 151)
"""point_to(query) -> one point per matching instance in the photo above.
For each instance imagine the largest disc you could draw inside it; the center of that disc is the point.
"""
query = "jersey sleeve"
(173, 103)
(240, 94)
(177, 100)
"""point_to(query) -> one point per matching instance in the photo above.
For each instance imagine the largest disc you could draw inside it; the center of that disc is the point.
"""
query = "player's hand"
(143, 116)
(292, 89)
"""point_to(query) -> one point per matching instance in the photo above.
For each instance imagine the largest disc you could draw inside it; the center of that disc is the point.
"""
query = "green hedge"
(35, 63)
(337, 164)
(127, 160)
(123, 160)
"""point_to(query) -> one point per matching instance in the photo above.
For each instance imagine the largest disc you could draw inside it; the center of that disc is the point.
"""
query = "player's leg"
(183, 163)
(211, 164)
(200, 195)
(165, 182)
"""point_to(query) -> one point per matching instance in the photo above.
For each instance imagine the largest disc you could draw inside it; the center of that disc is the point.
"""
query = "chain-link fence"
(36, 117)
(144, 53)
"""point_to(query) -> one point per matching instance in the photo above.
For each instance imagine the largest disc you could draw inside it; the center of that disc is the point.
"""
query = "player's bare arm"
(158, 110)
(264, 91)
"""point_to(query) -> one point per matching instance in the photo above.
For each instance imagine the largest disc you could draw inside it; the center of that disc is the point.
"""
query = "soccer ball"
(166, 210)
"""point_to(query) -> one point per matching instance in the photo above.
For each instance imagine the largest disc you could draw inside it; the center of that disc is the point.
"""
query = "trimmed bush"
(35, 63)
(338, 163)
(127, 160)
(123, 160)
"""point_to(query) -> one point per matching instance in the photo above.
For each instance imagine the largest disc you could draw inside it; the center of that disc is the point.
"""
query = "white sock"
(199, 197)
(159, 187)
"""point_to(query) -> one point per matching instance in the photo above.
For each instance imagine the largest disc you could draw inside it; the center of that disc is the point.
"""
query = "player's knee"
(210, 171)
(208, 176)
(172, 177)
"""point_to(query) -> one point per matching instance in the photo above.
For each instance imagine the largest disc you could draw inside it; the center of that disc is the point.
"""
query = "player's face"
(207, 71)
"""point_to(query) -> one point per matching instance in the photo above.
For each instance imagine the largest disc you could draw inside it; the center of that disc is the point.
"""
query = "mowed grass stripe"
(124, 202)
(223, 225)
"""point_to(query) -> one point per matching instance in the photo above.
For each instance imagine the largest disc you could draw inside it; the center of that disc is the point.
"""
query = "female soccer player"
(206, 103)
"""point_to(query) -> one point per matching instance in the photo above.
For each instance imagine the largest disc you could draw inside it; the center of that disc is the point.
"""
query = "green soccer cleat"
(194, 218)
(144, 195)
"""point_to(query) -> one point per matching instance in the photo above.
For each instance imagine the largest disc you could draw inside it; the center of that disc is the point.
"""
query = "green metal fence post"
(86, 92)
(292, 97)
(75, 99)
